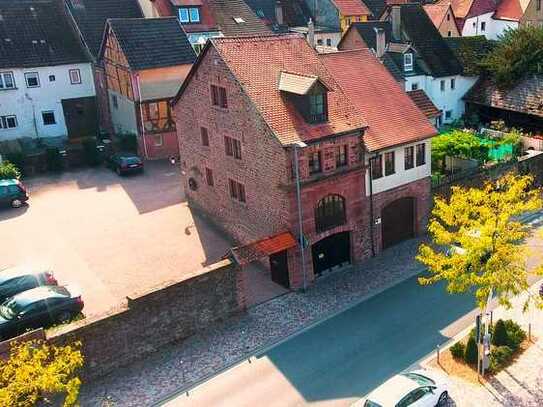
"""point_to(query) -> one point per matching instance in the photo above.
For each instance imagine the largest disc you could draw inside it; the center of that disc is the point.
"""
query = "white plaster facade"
(446, 97)
(485, 25)
(123, 113)
(28, 104)
(401, 176)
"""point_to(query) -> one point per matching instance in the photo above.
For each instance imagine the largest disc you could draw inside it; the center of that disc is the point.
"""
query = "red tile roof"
(392, 117)
(352, 7)
(257, 63)
(423, 102)
(262, 248)
(509, 10)
(470, 8)
(437, 12)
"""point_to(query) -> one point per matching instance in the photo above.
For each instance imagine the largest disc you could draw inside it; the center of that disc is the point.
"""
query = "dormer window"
(308, 94)
(408, 62)
(189, 15)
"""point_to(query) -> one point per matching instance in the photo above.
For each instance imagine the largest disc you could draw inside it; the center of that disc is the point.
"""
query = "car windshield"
(419, 379)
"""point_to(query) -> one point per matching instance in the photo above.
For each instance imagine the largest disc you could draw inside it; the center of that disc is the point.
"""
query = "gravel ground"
(183, 364)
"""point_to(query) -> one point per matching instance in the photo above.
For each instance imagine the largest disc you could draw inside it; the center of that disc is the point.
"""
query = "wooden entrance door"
(279, 268)
(398, 221)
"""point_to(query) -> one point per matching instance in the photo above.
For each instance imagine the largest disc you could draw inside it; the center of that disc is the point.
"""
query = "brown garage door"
(398, 221)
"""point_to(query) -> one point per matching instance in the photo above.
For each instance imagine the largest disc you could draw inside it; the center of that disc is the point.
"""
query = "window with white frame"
(414, 86)
(32, 79)
(8, 122)
(6, 80)
(408, 61)
(189, 15)
(75, 76)
(442, 85)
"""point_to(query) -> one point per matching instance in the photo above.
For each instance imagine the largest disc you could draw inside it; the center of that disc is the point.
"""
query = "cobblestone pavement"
(182, 364)
(519, 385)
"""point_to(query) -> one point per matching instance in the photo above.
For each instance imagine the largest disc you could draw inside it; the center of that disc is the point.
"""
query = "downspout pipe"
(141, 117)
(372, 215)
(301, 239)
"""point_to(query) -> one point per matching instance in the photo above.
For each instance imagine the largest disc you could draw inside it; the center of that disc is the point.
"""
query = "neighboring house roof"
(152, 42)
(423, 102)
(351, 7)
(470, 51)
(437, 12)
(392, 67)
(257, 62)
(470, 8)
(392, 117)
(235, 17)
(525, 97)
(36, 34)
(295, 12)
(428, 42)
(90, 17)
(366, 30)
(511, 10)
(376, 7)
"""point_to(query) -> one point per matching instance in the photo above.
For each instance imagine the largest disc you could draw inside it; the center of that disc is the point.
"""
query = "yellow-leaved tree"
(478, 239)
(37, 371)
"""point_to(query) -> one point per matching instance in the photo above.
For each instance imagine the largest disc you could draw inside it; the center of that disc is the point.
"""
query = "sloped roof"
(295, 12)
(470, 51)
(257, 62)
(351, 7)
(367, 31)
(428, 42)
(226, 11)
(437, 12)
(263, 248)
(470, 8)
(525, 97)
(91, 15)
(36, 34)
(376, 7)
(509, 10)
(152, 42)
(423, 102)
(392, 117)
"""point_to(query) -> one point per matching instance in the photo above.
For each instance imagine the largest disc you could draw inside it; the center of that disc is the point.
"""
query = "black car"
(124, 163)
(39, 307)
(18, 279)
(12, 193)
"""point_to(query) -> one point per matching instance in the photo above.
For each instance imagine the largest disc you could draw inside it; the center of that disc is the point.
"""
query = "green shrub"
(500, 334)
(9, 171)
(500, 357)
(91, 154)
(472, 333)
(458, 350)
(18, 159)
(515, 334)
(53, 159)
(128, 142)
(470, 355)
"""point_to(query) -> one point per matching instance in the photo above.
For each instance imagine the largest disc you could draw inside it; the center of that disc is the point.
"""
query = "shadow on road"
(352, 353)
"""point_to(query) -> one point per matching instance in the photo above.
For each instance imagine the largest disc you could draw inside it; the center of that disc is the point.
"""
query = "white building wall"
(401, 176)
(123, 114)
(492, 28)
(27, 104)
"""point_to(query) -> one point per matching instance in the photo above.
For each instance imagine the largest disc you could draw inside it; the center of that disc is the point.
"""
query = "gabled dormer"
(308, 94)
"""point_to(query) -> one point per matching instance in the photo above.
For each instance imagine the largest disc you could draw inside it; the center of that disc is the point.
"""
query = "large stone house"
(46, 81)
(145, 62)
(277, 142)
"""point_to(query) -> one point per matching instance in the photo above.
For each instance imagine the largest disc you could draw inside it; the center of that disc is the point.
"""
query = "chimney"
(396, 22)
(311, 33)
(380, 42)
(279, 13)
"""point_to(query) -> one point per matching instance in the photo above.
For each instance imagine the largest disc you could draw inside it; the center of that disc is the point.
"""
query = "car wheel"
(64, 317)
(443, 399)
(16, 203)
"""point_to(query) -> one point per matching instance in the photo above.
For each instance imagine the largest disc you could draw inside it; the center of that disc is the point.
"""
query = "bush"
(500, 334)
(92, 157)
(128, 142)
(9, 171)
(18, 159)
(458, 350)
(500, 357)
(53, 159)
(470, 355)
(515, 334)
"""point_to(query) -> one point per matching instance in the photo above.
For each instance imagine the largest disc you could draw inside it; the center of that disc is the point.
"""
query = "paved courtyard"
(110, 235)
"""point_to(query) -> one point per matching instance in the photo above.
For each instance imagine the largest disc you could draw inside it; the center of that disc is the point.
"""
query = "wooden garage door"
(398, 221)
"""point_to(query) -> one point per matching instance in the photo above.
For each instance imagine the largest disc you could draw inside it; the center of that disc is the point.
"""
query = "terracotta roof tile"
(392, 117)
(262, 248)
(257, 63)
(352, 7)
(509, 10)
(423, 102)
(436, 12)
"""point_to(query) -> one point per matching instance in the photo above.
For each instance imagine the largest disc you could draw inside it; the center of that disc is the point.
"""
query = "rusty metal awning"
(262, 248)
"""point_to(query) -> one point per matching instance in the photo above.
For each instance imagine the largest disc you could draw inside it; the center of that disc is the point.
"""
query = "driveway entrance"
(398, 220)
(332, 251)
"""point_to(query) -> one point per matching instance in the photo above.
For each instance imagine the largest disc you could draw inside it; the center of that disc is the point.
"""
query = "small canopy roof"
(262, 248)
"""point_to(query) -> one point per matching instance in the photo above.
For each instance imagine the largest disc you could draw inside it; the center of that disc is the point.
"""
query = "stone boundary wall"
(151, 319)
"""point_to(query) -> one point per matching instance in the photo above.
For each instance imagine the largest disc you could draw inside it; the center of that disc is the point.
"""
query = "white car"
(416, 389)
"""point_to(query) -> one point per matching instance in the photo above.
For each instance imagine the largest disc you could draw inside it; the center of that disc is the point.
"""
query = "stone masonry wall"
(149, 320)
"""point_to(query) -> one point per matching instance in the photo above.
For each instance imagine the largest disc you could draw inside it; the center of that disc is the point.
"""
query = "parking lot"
(109, 235)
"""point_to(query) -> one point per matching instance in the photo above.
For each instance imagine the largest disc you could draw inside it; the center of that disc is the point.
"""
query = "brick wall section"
(102, 100)
(352, 40)
(171, 312)
(262, 169)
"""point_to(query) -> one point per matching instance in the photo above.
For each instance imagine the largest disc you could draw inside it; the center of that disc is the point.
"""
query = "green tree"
(36, 370)
(9, 171)
(477, 239)
(519, 53)
(500, 334)
(457, 143)
(470, 355)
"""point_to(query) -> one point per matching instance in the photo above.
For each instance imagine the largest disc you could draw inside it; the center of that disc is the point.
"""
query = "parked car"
(413, 389)
(124, 163)
(12, 193)
(18, 279)
(38, 307)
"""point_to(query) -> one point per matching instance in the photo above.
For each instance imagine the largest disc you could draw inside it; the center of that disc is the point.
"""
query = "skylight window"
(239, 20)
